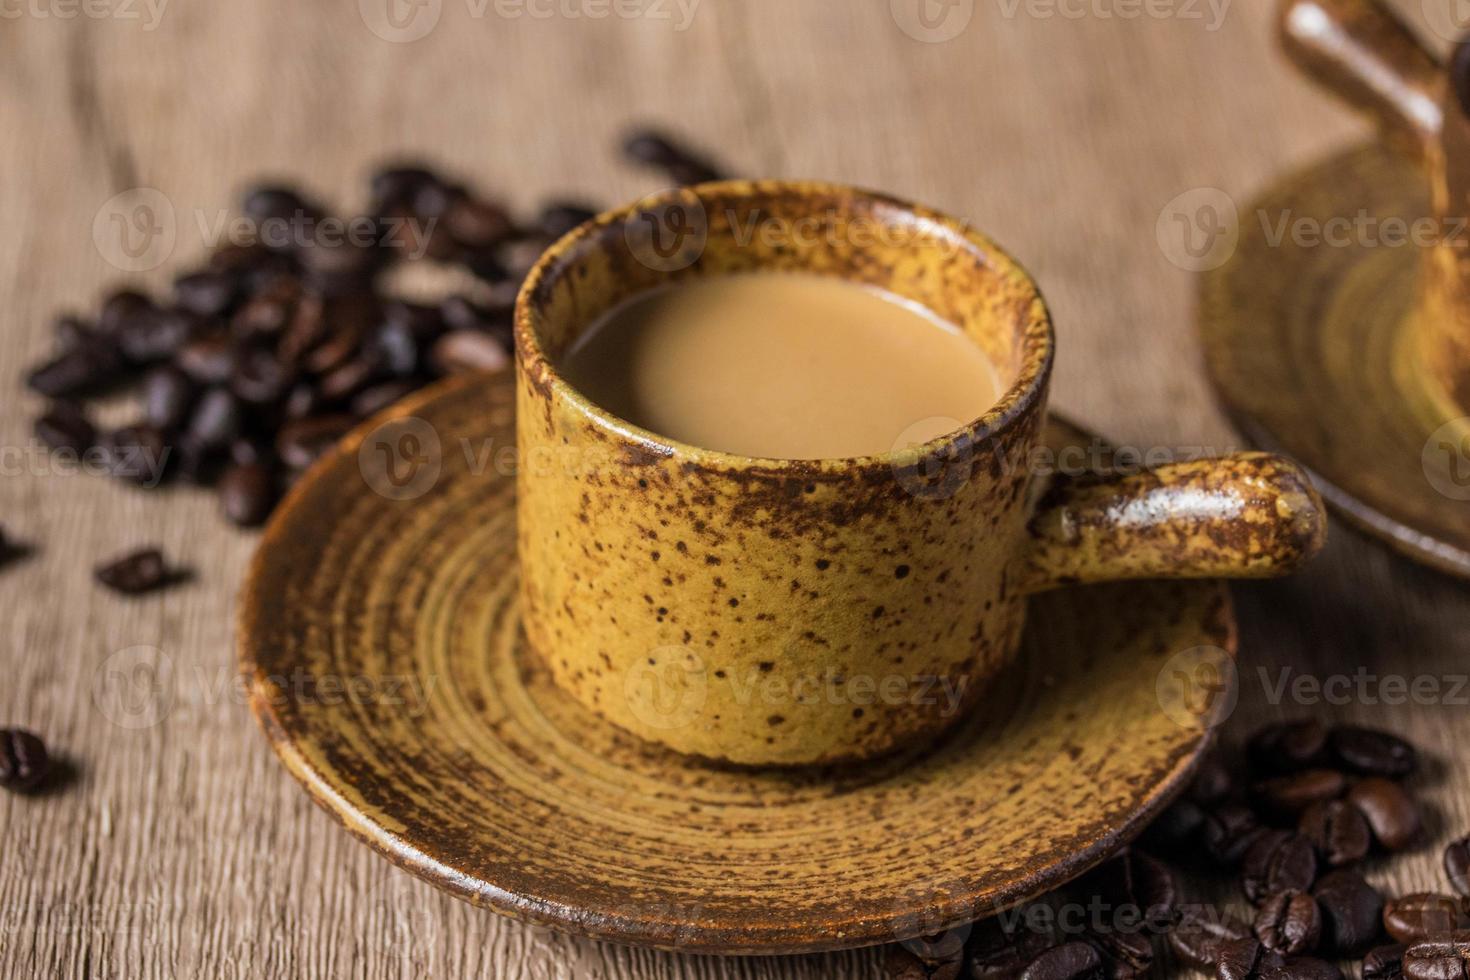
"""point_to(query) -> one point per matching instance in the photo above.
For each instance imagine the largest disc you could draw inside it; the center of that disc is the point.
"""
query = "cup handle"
(1361, 51)
(1247, 515)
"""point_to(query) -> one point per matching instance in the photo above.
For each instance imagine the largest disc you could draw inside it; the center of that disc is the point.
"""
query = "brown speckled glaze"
(1355, 357)
(381, 645)
(727, 607)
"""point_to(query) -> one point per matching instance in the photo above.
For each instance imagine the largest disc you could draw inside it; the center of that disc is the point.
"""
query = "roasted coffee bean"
(395, 341)
(247, 493)
(80, 371)
(1214, 782)
(302, 400)
(339, 268)
(259, 378)
(283, 206)
(1071, 961)
(371, 401)
(1176, 829)
(459, 313)
(268, 312)
(206, 294)
(1372, 753)
(1391, 812)
(216, 419)
(299, 443)
(119, 308)
(1420, 916)
(1125, 955)
(1135, 881)
(560, 217)
(656, 149)
(66, 426)
(238, 258)
(1338, 831)
(1228, 832)
(155, 334)
(1303, 968)
(1384, 962)
(1288, 746)
(351, 376)
(136, 453)
(71, 332)
(1287, 796)
(168, 395)
(209, 359)
(1289, 922)
(1201, 934)
(900, 964)
(1352, 912)
(1457, 865)
(394, 188)
(996, 953)
(1460, 75)
(1278, 861)
(24, 762)
(461, 351)
(135, 573)
(195, 462)
(476, 224)
(1443, 958)
(1244, 959)
(307, 328)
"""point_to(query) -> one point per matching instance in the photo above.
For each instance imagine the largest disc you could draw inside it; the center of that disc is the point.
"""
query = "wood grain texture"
(182, 848)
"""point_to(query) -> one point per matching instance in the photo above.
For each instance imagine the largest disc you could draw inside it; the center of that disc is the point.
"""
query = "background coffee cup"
(804, 611)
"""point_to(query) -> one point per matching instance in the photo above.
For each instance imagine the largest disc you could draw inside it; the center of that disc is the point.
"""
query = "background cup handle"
(1361, 51)
(1248, 515)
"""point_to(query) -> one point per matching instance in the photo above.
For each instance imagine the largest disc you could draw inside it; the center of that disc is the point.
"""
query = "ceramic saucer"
(1307, 343)
(379, 638)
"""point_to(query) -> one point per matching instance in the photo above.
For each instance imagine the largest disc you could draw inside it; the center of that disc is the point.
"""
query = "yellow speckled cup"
(768, 611)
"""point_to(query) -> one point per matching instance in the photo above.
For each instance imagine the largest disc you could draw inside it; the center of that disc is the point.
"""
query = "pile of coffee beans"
(1291, 818)
(268, 351)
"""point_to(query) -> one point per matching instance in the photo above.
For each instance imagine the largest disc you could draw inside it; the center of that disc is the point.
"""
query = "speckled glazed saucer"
(379, 637)
(1308, 343)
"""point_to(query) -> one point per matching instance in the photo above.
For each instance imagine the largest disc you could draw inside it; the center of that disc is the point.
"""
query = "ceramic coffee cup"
(768, 611)
(1363, 52)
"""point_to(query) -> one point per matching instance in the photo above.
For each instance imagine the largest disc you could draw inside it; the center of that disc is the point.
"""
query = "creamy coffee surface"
(782, 366)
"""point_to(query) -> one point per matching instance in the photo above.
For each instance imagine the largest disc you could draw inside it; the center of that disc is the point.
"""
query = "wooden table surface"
(182, 848)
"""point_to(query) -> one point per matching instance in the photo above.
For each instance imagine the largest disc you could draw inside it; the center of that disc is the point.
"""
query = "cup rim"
(1024, 393)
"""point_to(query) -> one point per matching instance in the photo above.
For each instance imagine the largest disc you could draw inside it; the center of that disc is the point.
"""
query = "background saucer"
(1306, 347)
(379, 638)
